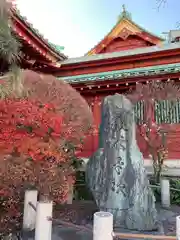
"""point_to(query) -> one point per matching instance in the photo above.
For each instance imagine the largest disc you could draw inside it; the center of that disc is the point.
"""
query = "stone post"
(103, 226)
(165, 193)
(29, 215)
(43, 229)
(178, 227)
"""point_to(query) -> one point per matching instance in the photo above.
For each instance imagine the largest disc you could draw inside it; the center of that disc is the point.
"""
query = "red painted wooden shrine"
(127, 55)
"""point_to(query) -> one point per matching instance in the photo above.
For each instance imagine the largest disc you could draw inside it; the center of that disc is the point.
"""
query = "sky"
(79, 25)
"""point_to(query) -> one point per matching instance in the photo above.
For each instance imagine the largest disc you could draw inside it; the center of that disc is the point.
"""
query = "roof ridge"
(124, 16)
(127, 15)
(155, 35)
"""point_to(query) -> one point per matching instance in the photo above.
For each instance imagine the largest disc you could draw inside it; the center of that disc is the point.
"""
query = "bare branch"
(160, 3)
(158, 116)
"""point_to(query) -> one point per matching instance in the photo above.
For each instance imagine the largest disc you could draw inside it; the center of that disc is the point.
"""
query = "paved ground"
(169, 221)
(63, 234)
(167, 226)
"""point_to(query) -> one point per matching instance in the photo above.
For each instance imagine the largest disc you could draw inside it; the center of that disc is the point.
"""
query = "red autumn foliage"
(37, 130)
(51, 109)
(29, 128)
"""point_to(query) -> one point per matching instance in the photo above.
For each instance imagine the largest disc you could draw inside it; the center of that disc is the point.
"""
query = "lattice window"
(167, 111)
(139, 112)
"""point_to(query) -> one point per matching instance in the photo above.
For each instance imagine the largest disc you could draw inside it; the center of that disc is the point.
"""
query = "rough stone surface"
(115, 173)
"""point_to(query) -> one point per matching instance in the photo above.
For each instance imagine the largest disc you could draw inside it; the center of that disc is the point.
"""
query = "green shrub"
(156, 191)
(174, 195)
(81, 191)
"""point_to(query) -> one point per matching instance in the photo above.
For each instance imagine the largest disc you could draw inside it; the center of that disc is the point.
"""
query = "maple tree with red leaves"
(42, 125)
(155, 135)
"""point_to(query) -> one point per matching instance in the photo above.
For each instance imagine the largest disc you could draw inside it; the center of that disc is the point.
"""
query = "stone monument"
(115, 174)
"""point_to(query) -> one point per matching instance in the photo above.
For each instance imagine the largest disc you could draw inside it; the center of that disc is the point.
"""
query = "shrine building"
(127, 55)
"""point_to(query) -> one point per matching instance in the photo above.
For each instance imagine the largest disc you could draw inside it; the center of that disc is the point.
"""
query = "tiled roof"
(58, 47)
(137, 51)
(122, 74)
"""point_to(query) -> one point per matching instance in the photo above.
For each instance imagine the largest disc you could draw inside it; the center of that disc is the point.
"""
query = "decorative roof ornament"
(124, 14)
(124, 27)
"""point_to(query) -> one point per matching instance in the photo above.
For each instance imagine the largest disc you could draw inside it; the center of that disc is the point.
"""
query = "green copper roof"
(122, 74)
(57, 47)
(125, 53)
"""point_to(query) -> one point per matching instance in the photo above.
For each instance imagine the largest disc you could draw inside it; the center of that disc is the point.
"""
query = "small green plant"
(175, 195)
(81, 191)
(174, 184)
